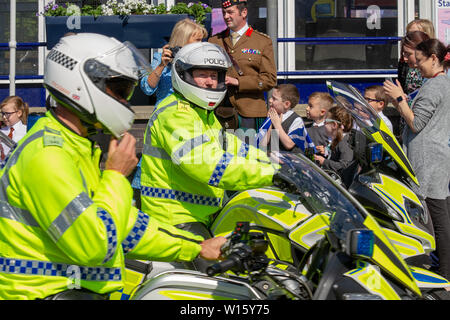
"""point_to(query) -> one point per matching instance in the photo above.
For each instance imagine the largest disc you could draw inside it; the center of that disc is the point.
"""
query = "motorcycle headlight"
(417, 212)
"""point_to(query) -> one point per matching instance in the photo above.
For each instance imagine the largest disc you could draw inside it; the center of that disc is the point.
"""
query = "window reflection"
(346, 18)
(26, 31)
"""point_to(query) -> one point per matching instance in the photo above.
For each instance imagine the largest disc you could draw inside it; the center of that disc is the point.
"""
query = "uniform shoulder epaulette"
(52, 137)
(263, 34)
(183, 105)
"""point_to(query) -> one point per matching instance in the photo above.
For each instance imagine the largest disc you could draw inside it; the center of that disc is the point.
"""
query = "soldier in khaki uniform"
(253, 71)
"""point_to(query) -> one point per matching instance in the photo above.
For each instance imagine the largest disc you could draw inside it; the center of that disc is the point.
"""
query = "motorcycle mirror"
(360, 242)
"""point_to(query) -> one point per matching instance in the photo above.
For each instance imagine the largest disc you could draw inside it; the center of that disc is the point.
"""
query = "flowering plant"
(127, 7)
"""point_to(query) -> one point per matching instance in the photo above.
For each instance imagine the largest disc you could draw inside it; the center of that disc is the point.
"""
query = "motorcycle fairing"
(310, 231)
(268, 210)
(388, 258)
(395, 193)
(427, 279)
(406, 246)
(370, 123)
(370, 278)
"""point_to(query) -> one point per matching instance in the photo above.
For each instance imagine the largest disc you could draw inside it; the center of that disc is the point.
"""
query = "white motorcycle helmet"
(95, 76)
(200, 55)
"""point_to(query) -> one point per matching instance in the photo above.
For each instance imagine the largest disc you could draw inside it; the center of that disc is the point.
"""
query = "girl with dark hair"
(337, 124)
(426, 137)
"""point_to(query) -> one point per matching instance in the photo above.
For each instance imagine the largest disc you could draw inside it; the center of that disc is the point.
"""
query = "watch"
(399, 98)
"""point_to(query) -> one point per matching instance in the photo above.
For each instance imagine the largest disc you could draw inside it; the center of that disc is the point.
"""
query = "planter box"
(144, 31)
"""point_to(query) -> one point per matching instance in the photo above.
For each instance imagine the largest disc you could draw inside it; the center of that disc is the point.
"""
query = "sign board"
(443, 21)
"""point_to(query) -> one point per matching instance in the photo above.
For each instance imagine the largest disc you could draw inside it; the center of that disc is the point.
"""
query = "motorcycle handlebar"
(223, 266)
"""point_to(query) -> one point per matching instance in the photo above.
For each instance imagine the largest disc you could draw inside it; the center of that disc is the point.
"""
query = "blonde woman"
(423, 25)
(159, 82)
(409, 76)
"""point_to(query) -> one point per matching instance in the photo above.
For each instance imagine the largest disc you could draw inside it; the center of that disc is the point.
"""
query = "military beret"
(229, 3)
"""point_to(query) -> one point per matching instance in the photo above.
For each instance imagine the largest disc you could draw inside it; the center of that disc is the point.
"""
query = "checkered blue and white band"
(220, 169)
(136, 233)
(45, 268)
(243, 151)
(180, 196)
(111, 233)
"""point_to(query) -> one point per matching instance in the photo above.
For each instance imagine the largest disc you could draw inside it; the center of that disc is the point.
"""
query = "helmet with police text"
(94, 76)
(200, 55)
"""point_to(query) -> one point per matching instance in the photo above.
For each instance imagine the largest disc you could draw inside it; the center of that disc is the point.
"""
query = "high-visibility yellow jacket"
(187, 165)
(64, 224)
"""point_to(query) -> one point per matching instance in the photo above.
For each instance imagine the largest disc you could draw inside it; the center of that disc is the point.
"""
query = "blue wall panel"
(33, 95)
(308, 86)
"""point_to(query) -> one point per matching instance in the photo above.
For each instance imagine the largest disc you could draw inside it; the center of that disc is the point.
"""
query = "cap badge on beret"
(229, 3)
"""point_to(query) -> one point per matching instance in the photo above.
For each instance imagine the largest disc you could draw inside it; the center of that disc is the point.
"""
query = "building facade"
(356, 41)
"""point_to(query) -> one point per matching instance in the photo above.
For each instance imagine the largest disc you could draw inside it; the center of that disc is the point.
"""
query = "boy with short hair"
(291, 130)
(378, 100)
(318, 105)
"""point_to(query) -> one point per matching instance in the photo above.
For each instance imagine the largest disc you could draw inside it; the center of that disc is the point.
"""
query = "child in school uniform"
(14, 112)
(289, 125)
(378, 100)
(337, 125)
(318, 105)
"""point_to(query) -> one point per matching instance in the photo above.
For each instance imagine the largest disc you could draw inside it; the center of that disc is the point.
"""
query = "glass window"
(327, 19)
(26, 31)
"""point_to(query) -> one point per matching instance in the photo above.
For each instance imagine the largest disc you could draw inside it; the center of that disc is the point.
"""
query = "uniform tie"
(234, 38)
(2, 151)
(10, 134)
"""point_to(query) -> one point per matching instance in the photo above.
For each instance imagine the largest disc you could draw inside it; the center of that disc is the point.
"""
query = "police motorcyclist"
(63, 223)
(188, 161)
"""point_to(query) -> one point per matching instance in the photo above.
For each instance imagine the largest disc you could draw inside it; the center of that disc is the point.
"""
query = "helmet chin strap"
(91, 129)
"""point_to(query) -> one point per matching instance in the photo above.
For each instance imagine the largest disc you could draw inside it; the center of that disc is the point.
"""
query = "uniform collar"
(71, 135)
(247, 30)
(241, 31)
(17, 126)
(318, 124)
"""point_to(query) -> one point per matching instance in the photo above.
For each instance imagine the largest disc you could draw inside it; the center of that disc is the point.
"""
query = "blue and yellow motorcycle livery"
(352, 260)
(295, 220)
(382, 178)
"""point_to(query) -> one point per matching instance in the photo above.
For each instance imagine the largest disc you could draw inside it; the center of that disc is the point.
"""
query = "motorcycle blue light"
(376, 152)
(365, 240)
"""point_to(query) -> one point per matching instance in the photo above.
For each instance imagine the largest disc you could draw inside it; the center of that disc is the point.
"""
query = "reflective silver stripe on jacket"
(180, 196)
(188, 146)
(7, 210)
(148, 149)
(46, 268)
(68, 216)
(155, 152)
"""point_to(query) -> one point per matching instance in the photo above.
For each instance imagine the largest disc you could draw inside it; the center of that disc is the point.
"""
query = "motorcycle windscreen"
(370, 123)
(321, 195)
